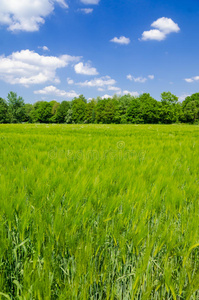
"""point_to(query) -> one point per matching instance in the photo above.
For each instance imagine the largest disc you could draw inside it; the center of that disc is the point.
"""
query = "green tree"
(134, 112)
(169, 108)
(150, 109)
(3, 111)
(16, 108)
(28, 109)
(55, 106)
(168, 97)
(109, 112)
(90, 112)
(122, 107)
(190, 108)
(69, 117)
(78, 108)
(99, 110)
(81, 97)
(191, 112)
(62, 111)
(42, 112)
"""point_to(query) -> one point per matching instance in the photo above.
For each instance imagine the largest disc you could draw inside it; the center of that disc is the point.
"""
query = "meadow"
(99, 212)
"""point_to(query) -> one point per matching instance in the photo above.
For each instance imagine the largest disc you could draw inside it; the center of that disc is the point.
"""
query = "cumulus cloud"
(129, 77)
(166, 25)
(86, 69)
(134, 94)
(151, 77)
(86, 10)
(115, 89)
(52, 90)
(26, 15)
(98, 82)
(136, 79)
(28, 67)
(125, 92)
(153, 34)
(192, 79)
(94, 2)
(106, 96)
(70, 81)
(44, 48)
(163, 26)
(121, 40)
(139, 79)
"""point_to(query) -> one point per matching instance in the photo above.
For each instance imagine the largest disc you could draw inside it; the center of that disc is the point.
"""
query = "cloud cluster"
(85, 69)
(26, 15)
(86, 10)
(139, 79)
(52, 90)
(98, 82)
(121, 40)
(125, 92)
(116, 89)
(192, 79)
(134, 94)
(163, 26)
(28, 67)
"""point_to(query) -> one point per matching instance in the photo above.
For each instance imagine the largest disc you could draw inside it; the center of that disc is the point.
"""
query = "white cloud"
(189, 80)
(86, 10)
(28, 67)
(182, 97)
(115, 89)
(139, 79)
(94, 2)
(151, 77)
(153, 34)
(136, 79)
(86, 69)
(134, 94)
(101, 89)
(44, 48)
(106, 96)
(163, 26)
(70, 81)
(98, 82)
(26, 15)
(129, 77)
(62, 3)
(122, 40)
(52, 90)
(192, 79)
(166, 25)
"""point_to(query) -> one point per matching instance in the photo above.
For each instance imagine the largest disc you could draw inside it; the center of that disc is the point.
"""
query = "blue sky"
(58, 49)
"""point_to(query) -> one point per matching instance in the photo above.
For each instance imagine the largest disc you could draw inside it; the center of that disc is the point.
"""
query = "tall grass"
(99, 212)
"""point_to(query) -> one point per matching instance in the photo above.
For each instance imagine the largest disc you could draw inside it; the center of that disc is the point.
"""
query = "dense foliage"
(99, 212)
(117, 110)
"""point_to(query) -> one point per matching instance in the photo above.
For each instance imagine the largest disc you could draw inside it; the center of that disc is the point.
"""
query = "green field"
(99, 212)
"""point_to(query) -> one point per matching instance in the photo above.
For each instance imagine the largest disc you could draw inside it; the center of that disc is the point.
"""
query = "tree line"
(125, 109)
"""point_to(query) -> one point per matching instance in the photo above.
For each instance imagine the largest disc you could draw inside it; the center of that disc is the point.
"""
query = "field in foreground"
(99, 212)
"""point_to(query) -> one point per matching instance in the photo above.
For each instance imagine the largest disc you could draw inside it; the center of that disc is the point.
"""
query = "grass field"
(99, 212)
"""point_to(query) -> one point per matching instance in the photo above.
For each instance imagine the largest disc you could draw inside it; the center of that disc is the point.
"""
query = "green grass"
(99, 212)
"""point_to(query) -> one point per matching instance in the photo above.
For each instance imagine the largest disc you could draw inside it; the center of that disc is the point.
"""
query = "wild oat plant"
(99, 212)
